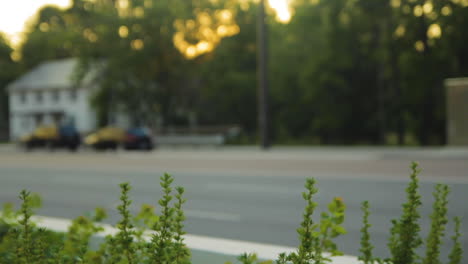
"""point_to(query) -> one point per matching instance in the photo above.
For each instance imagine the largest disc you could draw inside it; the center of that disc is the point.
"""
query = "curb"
(196, 242)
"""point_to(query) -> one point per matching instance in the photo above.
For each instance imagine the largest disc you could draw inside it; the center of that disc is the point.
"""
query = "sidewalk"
(350, 153)
(347, 153)
(5, 147)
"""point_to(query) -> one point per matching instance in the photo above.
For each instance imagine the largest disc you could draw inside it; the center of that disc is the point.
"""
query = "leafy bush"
(405, 236)
(22, 242)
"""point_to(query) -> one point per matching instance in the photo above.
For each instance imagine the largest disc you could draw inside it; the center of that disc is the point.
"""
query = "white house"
(47, 94)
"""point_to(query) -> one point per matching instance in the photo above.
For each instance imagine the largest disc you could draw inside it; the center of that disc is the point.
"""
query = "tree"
(52, 36)
(8, 73)
(430, 51)
(228, 77)
(147, 47)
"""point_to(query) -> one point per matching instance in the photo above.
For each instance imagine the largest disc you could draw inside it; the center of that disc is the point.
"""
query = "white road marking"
(202, 243)
(251, 188)
(212, 215)
(201, 214)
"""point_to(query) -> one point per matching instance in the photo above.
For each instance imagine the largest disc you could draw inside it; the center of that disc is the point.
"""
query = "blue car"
(138, 139)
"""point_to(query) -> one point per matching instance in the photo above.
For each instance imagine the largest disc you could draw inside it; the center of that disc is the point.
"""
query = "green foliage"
(9, 72)
(366, 246)
(25, 245)
(20, 240)
(162, 239)
(438, 222)
(125, 237)
(251, 259)
(316, 239)
(182, 253)
(333, 62)
(405, 231)
(130, 244)
(76, 243)
(308, 237)
(26, 248)
(456, 254)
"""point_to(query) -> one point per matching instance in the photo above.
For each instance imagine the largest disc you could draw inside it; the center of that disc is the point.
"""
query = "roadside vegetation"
(158, 238)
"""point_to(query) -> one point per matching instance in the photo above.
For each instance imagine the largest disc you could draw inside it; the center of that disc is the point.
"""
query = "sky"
(15, 13)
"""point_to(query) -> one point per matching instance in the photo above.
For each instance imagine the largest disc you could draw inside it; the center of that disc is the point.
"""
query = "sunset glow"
(15, 14)
(281, 7)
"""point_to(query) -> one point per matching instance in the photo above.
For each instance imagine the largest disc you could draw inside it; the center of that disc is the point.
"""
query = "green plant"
(130, 245)
(439, 220)
(25, 246)
(182, 253)
(366, 246)
(405, 237)
(457, 251)
(317, 238)
(308, 237)
(21, 241)
(404, 233)
(125, 238)
(75, 246)
(161, 241)
(251, 259)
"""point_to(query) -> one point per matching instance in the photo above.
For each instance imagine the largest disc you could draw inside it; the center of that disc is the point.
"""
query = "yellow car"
(52, 137)
(105, 138)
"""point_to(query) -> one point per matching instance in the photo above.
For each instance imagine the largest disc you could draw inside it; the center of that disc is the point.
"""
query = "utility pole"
(263, 91)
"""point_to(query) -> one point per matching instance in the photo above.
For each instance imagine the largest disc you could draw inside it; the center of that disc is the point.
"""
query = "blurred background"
(139, 74)
(339, 72)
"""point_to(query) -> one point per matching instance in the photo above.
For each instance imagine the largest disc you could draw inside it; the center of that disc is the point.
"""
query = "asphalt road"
(244, 193)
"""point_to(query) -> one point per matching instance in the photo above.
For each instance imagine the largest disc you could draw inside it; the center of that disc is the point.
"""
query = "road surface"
(244, 193)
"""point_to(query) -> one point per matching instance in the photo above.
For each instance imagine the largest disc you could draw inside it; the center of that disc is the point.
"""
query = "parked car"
(138, 139)
(52, 137)
(105, 138)
(113, 137)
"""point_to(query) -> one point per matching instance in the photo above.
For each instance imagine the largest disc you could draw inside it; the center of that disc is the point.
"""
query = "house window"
(38, 119)
(24, 122)
(73, 95)
(22, 97)
(39, 97)
(57, 117)
(55, 95)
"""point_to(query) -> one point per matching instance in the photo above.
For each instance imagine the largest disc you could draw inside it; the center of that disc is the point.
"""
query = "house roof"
(56, 74)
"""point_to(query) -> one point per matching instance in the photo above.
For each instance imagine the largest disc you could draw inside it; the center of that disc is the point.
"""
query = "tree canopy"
(341, 72)
(9, 70)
